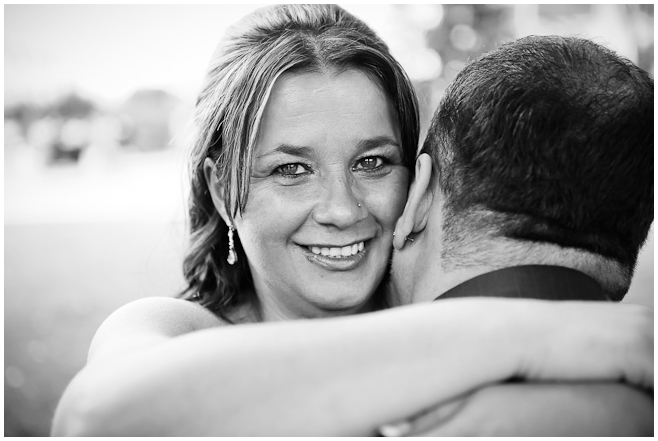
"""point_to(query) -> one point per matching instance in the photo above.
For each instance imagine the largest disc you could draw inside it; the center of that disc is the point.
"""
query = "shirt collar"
(544, 282)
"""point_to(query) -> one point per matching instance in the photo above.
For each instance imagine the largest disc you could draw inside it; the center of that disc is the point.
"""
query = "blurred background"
(97, 103)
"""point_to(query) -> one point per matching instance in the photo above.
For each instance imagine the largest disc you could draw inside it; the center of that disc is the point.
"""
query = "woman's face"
(327, 186)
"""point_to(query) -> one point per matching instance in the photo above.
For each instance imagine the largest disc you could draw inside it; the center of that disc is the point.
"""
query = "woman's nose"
(340, 204)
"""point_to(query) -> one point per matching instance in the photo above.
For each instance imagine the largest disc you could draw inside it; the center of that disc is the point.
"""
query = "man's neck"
(449, 273)
(429, 288)
(543, 282)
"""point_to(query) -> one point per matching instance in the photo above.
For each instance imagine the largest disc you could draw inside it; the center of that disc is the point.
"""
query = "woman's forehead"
(323, 108)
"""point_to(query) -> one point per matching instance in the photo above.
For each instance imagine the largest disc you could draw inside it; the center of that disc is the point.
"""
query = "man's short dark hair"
(554, 137)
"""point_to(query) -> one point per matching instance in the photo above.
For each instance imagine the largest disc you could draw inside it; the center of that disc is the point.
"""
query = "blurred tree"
(24, 114)
(643, 16)
(467, 31)
(73, 106)
(146, 115)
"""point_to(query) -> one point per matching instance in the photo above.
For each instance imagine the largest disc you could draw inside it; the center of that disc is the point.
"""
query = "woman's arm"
(154, 374)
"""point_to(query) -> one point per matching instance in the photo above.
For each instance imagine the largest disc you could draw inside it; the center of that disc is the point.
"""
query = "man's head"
(545, 144)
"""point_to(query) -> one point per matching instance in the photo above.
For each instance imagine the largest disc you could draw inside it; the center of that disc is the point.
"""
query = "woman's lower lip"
(335, 263)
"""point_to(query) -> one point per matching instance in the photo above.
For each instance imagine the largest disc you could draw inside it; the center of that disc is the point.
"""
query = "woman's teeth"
(345, 251)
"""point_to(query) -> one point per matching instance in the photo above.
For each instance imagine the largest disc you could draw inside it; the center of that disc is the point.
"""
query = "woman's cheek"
(387, 198)
(268, 197)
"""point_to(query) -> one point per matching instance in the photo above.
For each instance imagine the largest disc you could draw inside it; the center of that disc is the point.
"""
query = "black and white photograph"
(328, 220)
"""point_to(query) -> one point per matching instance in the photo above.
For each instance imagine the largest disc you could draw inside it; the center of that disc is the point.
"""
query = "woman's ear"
(416, 211)
(215, 188)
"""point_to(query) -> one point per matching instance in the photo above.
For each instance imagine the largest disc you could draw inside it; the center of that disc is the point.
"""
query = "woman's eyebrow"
(305, 151)
(377, 141)
(288, 149)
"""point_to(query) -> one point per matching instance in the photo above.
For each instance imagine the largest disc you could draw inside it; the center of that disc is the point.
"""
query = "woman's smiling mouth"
(336, 258)
(338, 252)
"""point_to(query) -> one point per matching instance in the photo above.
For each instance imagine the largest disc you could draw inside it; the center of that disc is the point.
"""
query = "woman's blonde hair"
(242, 72)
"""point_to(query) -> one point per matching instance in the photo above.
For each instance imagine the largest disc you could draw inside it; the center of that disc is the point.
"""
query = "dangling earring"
(232, 255)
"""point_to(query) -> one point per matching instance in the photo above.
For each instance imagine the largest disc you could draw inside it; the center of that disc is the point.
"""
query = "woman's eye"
(370, 163)
(291, 169)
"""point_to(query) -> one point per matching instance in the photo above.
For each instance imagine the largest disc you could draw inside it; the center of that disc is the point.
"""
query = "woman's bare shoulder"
(168, 315)
(145, 322)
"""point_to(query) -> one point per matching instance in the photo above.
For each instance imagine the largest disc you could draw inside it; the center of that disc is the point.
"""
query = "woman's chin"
(346, 304)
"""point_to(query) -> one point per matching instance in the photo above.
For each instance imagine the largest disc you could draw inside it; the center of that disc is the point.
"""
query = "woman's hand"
(537, 409)
(589, 340)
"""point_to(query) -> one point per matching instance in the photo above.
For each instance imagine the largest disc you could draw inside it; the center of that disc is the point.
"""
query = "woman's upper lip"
(325, 245)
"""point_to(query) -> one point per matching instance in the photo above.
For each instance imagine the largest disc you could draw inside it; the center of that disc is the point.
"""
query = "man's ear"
(215, 188)
(416, 211)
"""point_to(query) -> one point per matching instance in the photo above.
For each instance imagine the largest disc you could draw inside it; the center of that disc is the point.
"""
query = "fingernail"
(398, 429)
